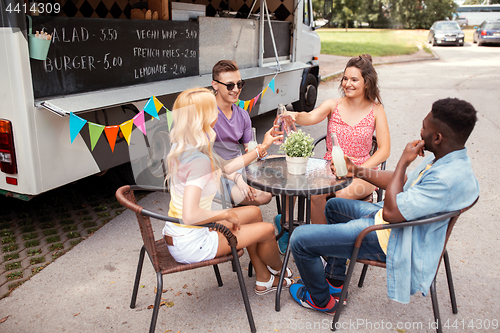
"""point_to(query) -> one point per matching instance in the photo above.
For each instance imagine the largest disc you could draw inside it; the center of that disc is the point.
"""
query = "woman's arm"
(261, 151)
(314, 116)
(383, 139)
(192, 214)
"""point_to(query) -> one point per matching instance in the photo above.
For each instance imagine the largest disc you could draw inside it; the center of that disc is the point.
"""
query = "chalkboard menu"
(88, 54)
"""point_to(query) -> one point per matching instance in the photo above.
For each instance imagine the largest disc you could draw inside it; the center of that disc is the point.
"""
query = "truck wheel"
(121, 175)
(150, 169)
(308, 94)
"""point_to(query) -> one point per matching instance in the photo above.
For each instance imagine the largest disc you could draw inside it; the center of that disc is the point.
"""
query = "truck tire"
(308, 94)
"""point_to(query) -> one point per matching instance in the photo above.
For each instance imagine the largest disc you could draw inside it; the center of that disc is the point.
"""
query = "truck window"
(307, 13)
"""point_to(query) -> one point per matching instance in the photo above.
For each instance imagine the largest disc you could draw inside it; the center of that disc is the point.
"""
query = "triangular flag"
(150, 108)
(241, 104)
(75, 125)
(158, 104)
(111, 133)
(95, 131)
(126, 128)
(256, 99)
(264, 91)
(271, 85)
(250, 106)
(169, 119)
(139, 122)
(246, 105)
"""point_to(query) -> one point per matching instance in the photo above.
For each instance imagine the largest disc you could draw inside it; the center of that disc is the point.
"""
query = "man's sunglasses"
(230, 86)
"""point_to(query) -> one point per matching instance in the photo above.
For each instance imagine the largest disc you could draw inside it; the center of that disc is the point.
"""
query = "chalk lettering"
(150, 70)
(146, 52)
(171, 53)
(76, 35)
(168, 34)
(67, 63)
(149, 34)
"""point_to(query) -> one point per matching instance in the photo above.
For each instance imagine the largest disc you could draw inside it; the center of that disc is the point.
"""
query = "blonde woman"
(194, 177)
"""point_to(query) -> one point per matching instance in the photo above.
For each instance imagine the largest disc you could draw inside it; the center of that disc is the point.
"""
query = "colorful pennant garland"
(152, 107)
(248, 105)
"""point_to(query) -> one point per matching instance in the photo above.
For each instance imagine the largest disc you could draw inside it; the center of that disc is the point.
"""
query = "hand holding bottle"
(338, 157)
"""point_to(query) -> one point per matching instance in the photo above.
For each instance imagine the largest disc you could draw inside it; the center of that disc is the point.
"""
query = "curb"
(434, 57)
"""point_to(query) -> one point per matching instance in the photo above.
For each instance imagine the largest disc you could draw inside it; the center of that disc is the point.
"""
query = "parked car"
(446, 33)
(488, 32)
(462, 21)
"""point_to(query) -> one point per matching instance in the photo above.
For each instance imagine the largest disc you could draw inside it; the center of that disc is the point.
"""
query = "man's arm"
(391, 212)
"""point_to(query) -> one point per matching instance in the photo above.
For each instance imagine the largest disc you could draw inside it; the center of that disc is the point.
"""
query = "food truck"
(81, 80)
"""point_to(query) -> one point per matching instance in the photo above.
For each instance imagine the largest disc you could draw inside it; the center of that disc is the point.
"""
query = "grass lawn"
(376, 42)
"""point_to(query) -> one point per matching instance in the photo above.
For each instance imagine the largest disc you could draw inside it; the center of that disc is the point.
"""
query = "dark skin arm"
(391, 181)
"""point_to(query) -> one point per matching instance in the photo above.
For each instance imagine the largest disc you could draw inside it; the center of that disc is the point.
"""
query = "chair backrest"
(452, 223)
(126, 198)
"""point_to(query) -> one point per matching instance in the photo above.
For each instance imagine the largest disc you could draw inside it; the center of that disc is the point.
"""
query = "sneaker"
(283, 241)
(301, 295)
(334, 291)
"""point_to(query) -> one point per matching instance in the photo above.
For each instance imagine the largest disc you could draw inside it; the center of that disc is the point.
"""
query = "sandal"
(269, 285)
(278, 273)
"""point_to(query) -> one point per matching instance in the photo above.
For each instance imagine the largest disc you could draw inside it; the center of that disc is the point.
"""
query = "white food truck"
(102, 67)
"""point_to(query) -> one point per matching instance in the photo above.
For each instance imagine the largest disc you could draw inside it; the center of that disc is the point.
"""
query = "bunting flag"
(111, 133)
(248, 105)
(75, 125)
(139, 122)
(151, 107)
(126, 129)
(264, 91)
(95, 131)
(169, 119)
(271, 85)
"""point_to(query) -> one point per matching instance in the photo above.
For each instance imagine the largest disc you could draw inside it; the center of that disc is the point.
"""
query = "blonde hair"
(194, 111)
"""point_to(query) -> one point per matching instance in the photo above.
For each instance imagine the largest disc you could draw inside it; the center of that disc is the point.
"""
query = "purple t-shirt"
(232, 132)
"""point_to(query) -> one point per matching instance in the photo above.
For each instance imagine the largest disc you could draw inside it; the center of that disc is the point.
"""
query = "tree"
(414, 14)
(345, 11)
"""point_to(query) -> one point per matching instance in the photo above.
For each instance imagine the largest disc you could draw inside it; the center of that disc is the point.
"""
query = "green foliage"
(298, 144)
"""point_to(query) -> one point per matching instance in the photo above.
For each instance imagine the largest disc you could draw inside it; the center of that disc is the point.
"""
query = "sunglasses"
(230, 86)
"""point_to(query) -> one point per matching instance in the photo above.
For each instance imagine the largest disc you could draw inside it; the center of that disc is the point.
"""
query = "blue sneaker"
(283, 241)
(334, 291)
(301, 295)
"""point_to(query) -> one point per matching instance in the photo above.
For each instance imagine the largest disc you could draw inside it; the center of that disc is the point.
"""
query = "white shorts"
(188, 250)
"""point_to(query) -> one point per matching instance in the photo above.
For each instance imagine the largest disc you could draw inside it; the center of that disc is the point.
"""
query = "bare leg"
(258, 238)
(262, 197)
(358, 189)
(318, 203)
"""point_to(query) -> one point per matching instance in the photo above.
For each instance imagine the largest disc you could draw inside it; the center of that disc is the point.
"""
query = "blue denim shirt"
(413, 253)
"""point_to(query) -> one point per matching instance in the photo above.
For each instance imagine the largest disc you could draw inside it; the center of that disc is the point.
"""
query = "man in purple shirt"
(233, 128)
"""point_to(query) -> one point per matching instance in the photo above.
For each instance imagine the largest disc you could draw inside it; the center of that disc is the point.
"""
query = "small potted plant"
(298, 147)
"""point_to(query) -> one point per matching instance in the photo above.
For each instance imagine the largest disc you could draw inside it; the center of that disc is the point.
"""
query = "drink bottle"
(338, 157)
(253, 143)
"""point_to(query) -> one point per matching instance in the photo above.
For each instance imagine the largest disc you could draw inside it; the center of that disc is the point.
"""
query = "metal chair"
(374, 148)
(162, 261)
(453, 216)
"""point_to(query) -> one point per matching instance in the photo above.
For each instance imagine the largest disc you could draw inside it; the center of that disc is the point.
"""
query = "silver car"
(446, 33)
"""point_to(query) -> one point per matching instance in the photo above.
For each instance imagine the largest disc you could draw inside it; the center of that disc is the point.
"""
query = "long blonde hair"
(194, 111)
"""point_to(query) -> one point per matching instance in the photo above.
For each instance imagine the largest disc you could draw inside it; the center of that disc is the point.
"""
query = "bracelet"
(262, 153)
(236, 178)
(258, 152)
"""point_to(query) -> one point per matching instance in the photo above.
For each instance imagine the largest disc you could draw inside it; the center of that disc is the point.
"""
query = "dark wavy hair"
(458, 115)
(365, 66)
(223, 66)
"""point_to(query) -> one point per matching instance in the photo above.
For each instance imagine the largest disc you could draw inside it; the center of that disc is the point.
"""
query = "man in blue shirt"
(443, 182)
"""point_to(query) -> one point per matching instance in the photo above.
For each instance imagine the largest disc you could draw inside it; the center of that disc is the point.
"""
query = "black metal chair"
(453, 216)
(162, 261)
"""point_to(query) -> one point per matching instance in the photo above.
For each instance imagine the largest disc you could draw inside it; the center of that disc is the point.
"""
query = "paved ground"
(88, 289)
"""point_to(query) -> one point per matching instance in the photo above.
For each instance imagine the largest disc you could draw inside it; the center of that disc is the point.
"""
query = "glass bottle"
(279, 121)
(338, 157)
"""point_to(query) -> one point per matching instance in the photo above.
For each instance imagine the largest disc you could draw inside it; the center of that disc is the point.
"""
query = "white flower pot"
(296, 165)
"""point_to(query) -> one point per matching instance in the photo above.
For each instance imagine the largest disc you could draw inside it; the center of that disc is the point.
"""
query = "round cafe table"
(271, 175)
